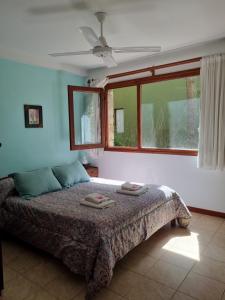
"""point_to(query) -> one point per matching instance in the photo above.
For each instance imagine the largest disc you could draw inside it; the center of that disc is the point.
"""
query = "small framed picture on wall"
(33, 116)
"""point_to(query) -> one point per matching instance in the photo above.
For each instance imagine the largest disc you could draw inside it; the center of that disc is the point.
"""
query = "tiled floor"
(175, 263)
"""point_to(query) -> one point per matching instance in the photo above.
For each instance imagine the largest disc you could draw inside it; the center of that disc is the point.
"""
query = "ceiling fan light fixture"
(100, 51)
(100, 47)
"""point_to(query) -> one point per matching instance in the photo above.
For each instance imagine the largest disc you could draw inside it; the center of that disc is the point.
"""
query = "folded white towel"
(141, 191)
(95, 205)
(96, 198)
(131, 186)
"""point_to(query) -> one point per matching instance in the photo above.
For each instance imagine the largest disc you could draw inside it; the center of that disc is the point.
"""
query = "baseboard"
(207, 212)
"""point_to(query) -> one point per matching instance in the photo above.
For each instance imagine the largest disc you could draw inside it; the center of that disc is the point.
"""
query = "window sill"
(184, 152)
(86, 146)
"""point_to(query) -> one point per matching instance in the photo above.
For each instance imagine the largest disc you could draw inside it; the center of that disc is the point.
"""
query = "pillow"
(34, 183)
(70, 174)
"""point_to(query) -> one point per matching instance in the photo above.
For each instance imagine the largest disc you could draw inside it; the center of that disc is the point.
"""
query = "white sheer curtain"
(212, 113)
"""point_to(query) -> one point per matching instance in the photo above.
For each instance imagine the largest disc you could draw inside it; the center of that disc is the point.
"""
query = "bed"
(89, 241)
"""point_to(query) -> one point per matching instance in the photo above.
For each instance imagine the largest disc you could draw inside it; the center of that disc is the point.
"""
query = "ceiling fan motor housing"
(100, 51)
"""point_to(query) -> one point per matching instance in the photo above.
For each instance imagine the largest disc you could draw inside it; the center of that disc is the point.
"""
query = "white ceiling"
(39, 27)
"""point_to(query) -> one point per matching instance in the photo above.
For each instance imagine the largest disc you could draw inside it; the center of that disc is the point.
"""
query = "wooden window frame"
(138, 82)
(71, 90)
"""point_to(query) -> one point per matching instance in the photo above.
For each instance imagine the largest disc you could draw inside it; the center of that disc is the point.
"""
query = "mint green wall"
(30, 148)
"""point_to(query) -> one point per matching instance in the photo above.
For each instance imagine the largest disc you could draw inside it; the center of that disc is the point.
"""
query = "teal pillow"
(70, 174)
(34, 183)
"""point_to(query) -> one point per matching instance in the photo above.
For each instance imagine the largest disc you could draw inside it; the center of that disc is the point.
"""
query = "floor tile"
(204, 235)
(181, 296)
(123, 280)
(210, 222)
(210, 268)
(65, 286)
(222, 228)
(219, 239)
(167, 274)
(223, 298)
(179, 259)
(9, 274)
(25, 261)
(45, 272)
(148, 289)
(202, 288)
(154, 245)
(10, 250)
(18, 289)
(40, 295)
(137, 262)
(105, 294)
(215, 252)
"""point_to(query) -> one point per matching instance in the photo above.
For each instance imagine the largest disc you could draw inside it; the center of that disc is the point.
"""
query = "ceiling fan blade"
(71, 53)
(136, 49)
(109, 61)
(90, 36)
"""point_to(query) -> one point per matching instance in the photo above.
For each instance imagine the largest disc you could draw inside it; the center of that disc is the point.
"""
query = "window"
(119, 120)
(126, 136)
(170, 113)
(86, 115)
(156, 114)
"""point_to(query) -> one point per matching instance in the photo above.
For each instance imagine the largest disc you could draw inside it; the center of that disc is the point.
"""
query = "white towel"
(96, 198)
(131, 186)
(95, 205)
(139, 192)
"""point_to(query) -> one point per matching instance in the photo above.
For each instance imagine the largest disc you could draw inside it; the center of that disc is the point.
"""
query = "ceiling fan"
(100, 46)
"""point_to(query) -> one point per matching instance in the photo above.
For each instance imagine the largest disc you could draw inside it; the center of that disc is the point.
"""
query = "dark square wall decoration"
(33, 116)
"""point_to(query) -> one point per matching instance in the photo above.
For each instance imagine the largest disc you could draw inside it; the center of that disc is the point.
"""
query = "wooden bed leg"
(173, 223)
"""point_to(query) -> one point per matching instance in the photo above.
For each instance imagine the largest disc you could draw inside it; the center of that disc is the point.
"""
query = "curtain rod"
(153, 68)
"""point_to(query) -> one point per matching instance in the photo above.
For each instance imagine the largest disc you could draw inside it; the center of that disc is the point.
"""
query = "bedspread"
(90, 241)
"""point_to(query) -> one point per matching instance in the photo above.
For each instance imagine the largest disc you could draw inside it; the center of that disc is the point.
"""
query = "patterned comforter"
(89, 241)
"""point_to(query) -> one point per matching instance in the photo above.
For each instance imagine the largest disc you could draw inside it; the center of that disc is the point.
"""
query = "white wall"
(199, 188)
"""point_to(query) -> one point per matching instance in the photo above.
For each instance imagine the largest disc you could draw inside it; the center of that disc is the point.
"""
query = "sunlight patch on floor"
(187, 246)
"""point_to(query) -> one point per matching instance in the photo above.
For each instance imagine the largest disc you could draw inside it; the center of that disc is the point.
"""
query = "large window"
(160, 114)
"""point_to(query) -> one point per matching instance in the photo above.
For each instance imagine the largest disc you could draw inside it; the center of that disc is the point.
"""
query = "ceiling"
(39, 27)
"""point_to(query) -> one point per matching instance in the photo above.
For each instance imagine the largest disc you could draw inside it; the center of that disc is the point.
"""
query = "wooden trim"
(71, 117)
(83, 89)
(153, 68)
(155, 78)
(139, 116)
(207, 212)
(153, 150)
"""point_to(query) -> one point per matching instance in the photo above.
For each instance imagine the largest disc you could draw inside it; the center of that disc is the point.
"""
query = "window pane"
(119, 120)
(87, 118)
(170, 113)
(122, 117)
